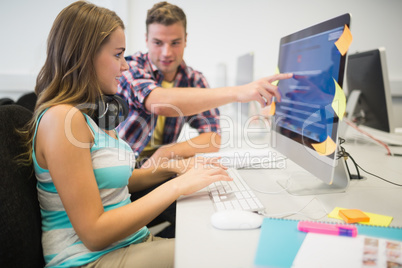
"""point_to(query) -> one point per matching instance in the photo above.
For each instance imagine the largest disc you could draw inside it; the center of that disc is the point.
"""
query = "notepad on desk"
(249, 158)
(280, 242)
(332, 251)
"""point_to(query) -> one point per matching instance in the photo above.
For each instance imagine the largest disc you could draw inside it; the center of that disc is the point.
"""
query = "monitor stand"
(304, 183)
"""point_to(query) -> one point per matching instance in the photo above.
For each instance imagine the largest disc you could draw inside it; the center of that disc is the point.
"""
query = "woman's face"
(110, 62)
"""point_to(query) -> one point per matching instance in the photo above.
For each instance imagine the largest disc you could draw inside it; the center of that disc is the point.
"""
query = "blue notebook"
(280, 240)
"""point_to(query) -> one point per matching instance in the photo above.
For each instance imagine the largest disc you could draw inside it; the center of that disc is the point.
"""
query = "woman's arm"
(144, 178)
(148, 176)
(204, 143)
(62, 147)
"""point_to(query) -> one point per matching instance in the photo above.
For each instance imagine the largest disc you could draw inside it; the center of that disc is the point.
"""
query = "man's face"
(166, 47)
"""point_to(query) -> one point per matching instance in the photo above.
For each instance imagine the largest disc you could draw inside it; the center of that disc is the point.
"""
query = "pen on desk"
(326, 228)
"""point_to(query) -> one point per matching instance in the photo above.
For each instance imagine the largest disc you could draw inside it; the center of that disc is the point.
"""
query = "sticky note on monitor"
(339, 101)
(344, 41)
(275, 83)
(326, 147)
(272, 108)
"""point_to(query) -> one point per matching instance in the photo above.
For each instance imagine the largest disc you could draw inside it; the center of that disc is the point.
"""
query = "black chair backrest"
(6, 101)
(20, 220)
(28, 101)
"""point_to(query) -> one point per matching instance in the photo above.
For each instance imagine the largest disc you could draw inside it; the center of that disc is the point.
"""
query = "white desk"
(198, 244)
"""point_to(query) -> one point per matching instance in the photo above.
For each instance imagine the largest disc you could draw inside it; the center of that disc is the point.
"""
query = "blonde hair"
(68, 75)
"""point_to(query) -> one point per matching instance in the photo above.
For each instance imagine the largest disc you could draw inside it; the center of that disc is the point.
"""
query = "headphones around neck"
(110, 112)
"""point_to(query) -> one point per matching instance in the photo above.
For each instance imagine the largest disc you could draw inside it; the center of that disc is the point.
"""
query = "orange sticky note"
(326, 147)
(272, 109)
(344, 41)
(353, 215)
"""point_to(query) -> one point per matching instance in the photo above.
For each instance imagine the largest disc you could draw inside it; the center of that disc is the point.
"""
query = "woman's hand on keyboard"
(200, 176)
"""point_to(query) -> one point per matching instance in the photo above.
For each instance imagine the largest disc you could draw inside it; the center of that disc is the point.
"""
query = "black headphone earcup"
(123, 108)
(111, 111)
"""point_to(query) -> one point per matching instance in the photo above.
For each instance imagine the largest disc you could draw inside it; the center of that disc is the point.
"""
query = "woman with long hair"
(84, 172)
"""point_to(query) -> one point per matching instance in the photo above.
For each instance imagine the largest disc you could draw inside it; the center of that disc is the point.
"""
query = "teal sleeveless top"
(113, 162)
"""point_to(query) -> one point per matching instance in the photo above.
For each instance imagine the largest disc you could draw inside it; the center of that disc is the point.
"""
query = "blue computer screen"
(305, 108)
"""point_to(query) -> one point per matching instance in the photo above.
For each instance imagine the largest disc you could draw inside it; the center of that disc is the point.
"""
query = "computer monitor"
(305, 125)
(244, 75)
(369, 101)
(245, 69)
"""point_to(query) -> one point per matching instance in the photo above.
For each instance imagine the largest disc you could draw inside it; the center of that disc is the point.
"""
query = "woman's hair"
(68, 75)
(166, 14)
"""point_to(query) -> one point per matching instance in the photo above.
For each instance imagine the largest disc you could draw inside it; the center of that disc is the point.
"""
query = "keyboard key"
(220, 206)
(228, 205)
(246, 194)
(244, 204)
(239, 195)
(236, 204)
(216, 198)
(251, 203)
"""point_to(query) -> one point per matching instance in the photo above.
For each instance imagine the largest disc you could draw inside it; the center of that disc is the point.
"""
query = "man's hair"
(166, 14)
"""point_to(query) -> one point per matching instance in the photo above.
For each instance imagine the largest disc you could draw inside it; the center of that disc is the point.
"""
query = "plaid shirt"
(137, 83)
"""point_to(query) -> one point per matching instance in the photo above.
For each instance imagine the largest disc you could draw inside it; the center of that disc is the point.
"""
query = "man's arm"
(207, 142)
(189, 101)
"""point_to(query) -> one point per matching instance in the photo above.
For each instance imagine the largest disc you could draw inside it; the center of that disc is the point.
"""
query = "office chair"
(20, 219)
(28, 101)
(6, 101)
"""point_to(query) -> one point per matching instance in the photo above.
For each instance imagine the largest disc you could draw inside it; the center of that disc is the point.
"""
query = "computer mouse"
(236, 220)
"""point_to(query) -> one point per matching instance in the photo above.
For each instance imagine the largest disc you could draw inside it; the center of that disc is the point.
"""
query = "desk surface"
(199, 244)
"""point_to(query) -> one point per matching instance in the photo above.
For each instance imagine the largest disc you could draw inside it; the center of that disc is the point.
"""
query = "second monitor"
(369, 101)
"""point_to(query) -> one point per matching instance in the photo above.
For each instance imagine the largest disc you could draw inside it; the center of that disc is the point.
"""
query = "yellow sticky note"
(375, 219)
(272, 109)
(275, 83)
(326, 147)
(339, 101)
(344, 40)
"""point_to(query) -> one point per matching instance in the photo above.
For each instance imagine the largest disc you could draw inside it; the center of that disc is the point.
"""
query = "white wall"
(218, 32)
(25, 25)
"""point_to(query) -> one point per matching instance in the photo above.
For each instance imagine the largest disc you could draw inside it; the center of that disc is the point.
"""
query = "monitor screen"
(367, 74)
(304, 117)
